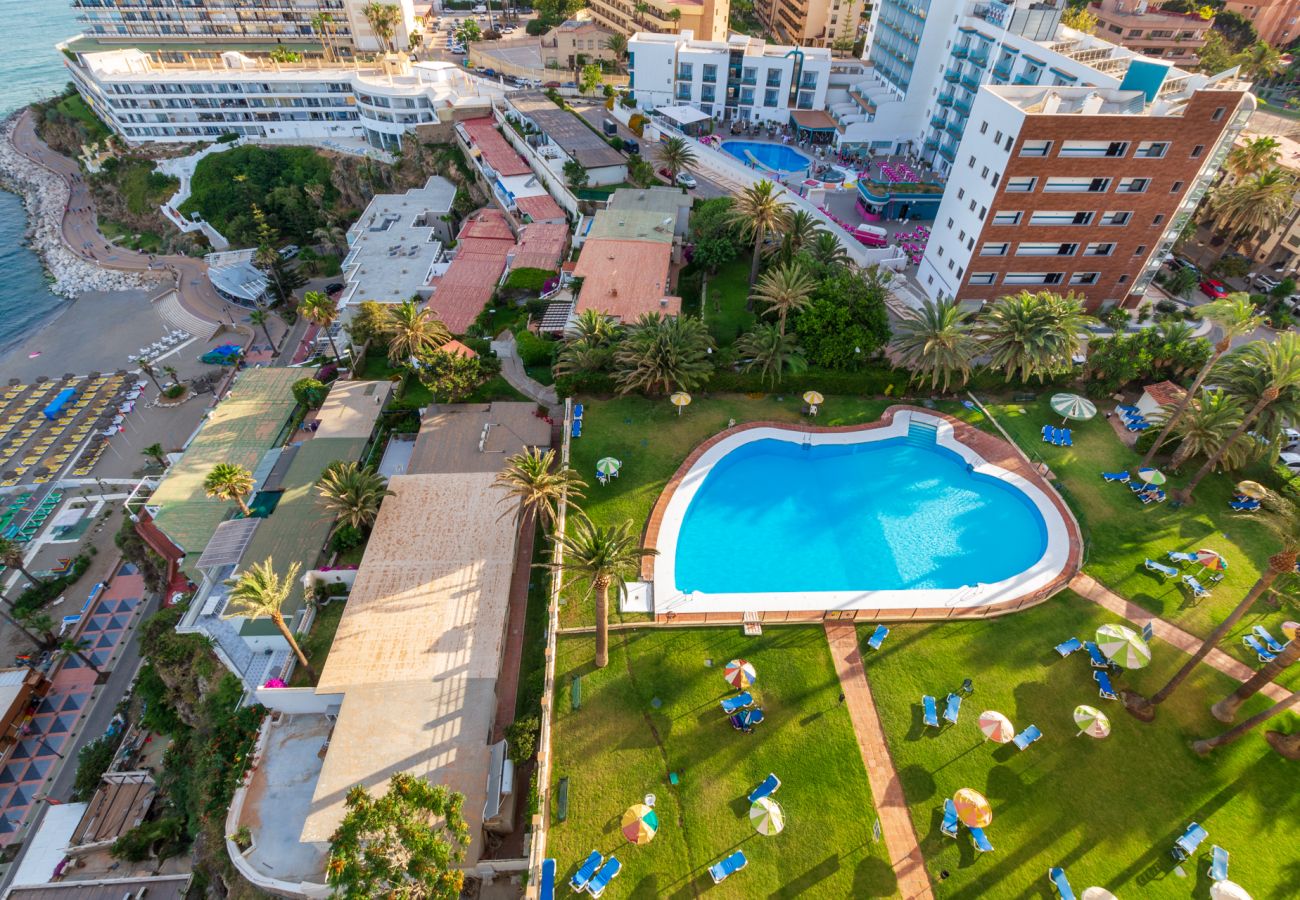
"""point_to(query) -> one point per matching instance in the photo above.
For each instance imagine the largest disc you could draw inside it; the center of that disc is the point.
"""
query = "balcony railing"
(937, 121)
(1002, 71)
(1031, 79)
(970, 82)
(952, 76)
(945, 99)
(948, 152)
(954, 128)
(962, 106)
(960, 52)
(932, 143)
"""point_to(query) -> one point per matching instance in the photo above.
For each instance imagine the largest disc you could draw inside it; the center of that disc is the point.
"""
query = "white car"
(1291, 461)
(686, 180)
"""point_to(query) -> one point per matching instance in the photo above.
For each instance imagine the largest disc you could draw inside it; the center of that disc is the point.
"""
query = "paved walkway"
(512, 370)
(895, 820)
(1087, 586)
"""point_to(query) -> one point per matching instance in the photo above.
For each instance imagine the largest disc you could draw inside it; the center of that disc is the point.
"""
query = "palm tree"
(594, 327)
(785, 289)
(259, 593)
(1182, 282)
(533, 483)
(801, 230)
(1033, 334)
(827, 250)
(1262, 370)
(581, 357)
(331, 236)
(21, 623)
(151, 372)
(1286, 744)
(1226, 709)
(11, 554)
(317, 307)
(603, 556)
(155, 452)
(1260, 61)
(323, 25)
(1204, 426)
(675, 155)
(617, 44)
(770, 351)
(260, 317)
(663, 353)
(937, 342)
(1234, 315)
(1252, 204)
(229, 481)
(1256, 155)
(352, 492)
(383, 19)
(78, 649)
(757, 212)
(412, 331)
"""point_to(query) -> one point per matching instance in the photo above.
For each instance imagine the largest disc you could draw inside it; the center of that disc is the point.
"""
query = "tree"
(322, 24)
(309, 392)
(534, 484)
(78, 649)
(602, 556)
(1252, 204)
(259, 593)
(333, 238)
(11, 554)
(449, 376)
(590, 78)
(1286, 744)
(1204, 426)
(827, 250)
(150, 371)
(938, 342)
(1033, 335)
(319, 309)
(1226, 709)
(383, 19)
(675, 155)
(757, 212)
(846, 322)
(663, 353)
(784, 289)
(369, 322)
(1237, 31)
(412, 331)
(575, 174)
(229, 482)
(1216, 55)
(1260, 61)
(468, 31)
(352, 493)
(1256, 155)
(1080, 18)
(640, 172)
(156, 453)
(800, 231)
(1182, 282)
(405, 844)
(768, 350)
(617, 44)
(595, 327)
(260, 318)
(714, 233)
(1234, 315)
(285, 279)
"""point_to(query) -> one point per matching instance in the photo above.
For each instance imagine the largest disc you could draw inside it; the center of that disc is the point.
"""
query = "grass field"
(654, 710)
(316, 645)
(724, 309)
(1107, 810)
(72, 105)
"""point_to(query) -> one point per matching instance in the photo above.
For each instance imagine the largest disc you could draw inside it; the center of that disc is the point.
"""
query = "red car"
(1214, 289)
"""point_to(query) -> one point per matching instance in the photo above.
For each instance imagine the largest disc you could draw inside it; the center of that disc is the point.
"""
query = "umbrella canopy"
(640, 824)
(681, 398)
(973, 808)
(1072, 406)
(1152, 476)
(767, 816)
(1098, 893)
(1228, 890)
(996, 727)
(739, 673)
(1124, 646)
(608, 466)
(1290, 629)
(1252, 489)
(813, 398)
(1091, 721)
(1211, 560)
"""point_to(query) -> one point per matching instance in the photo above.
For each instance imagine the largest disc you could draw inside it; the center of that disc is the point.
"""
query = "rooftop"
(625, 278)
(241, 280)
(393, 244)
(449, 439)
(496, 151)
(541, 246)
(539, 208)
(569, 132)
(119, 804)
(351, 409)
(461, 292)
(158, 887)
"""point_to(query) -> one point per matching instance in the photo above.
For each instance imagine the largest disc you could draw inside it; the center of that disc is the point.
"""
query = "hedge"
(534, 350)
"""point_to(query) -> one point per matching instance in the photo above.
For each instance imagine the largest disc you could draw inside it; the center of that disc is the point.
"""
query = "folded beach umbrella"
(1091, 721)
(739, 673)
(1072, 406)
(640, 824)
(996, 727)
(767, 816)
(1124, 646)
(972, 808)
(1290, 629)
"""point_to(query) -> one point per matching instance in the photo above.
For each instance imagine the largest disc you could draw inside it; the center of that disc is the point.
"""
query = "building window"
(710, 73)
(1006, 218)
(1133, 185)
(771, 98)
(985, 173)
(950, 221)
(1141, 249)
(1061, 217)
(982, 277)
(1177, 186)
(984, 211)
(1033, 278)
(1007, 145)
(972, 206)
(962, 236)
(1076, 185)
(970, 244)
(939, 253)
(685, 71)
(984, 127)
(1116, 217)
(997, 176)
(1123, 279)
(1197, 151)
(1021, 184)
(1218, 114)
(1099, 249)
(1049, 248)
(1153, 150)
(1159, 218)
(1035, 148)
(950, 265)
(961, 193)
(997, 137)
(1093, 148)
(994, 249)
(971, 164)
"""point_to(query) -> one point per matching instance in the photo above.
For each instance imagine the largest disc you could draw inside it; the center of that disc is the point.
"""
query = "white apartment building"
(144, 98)
(740, 78)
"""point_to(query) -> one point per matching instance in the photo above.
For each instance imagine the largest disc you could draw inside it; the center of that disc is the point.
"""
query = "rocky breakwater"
(45, 195)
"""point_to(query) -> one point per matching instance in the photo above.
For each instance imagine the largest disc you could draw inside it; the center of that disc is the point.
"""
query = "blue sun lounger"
(877, 637)
(1104, 687)
(1063, 438)
(1186, 845)
(1253, 643)
(1128, 408)
(608, 872)
(546, 884)
(1179, 557)
(1137, 426)
(980, 840)
(577, 428)
(953, 708)
(1056, 875)
(1198, 590)
(1095, 656)
(929, 711)
(1065, 648)
(577, 410)
(1166, 571)
(740, 701)
(766, 789)
(1116, 476)
(585, 871)
(1245, 505)
(1026, 737)
(1049, 434)
(720, 871)
(950, 823)
(1263, 634)
(746, 719)
(1218, 863)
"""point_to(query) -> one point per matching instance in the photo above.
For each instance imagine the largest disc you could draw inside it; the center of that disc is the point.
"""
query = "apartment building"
(573, 44)
(739, 78)
(1143, 26)
(706, 18)
(1276, 21)
(811, 23)
(1078, 188)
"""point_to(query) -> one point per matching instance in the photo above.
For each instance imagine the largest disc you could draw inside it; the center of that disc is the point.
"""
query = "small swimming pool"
(768, 156)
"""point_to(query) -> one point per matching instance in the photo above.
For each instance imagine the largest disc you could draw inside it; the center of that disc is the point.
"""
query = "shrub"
(93, 761)
(228, 138)
(534, 350)
(536, 28)
(636, 124)
(309, 392)
(1166, 306)
(346, 538)
(521, 735)
(172, 391)
(1145, 440)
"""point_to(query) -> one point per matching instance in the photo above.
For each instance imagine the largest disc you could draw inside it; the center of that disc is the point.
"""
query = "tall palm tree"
(771, 352)
(603, 556)
(827, 250)
(1252, 204)
(785, 289)
(1256, 155)
(150, 371)
(1260, 61)
(352, 492)
(11, 554)
(331, 236)
(532, 482)
(317, 307)
(1262, 370)
(1234, 315)
(260, 317)
(594, 327)
(1033, 334)
(259, 593)
(675, 155)
(758, 212)
(617, 44)
(938, 342)
(799, 233)
(1204, 426)
(413, 330)
(78, 649)
(228, 481)
(323, 25)
(383, 19)
(22, 623)
(156, 453)
(1226, 709)
(1286, 744)
(663, 353)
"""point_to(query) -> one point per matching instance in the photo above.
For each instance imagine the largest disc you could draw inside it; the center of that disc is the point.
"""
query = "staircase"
(922, 434)
(171, 311)
(752, 624)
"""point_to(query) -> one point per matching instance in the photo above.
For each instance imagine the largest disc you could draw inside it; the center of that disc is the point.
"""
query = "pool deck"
(988, 454)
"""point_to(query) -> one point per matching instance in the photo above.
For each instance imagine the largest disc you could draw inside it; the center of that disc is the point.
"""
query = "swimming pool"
(901, 515)
(769, 156)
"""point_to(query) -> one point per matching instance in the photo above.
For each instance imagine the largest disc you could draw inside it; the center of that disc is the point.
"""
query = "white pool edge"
(668, 600)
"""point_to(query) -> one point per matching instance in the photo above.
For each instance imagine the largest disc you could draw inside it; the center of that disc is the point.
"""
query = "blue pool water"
(771, 156)
(897, 514)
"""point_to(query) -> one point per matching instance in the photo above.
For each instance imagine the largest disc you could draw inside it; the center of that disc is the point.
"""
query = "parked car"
(685, 179)
(1214, 289)
(630, 146)
(1291, 461)
(551, 84)
(1264, 282)
(289, 252)
(1178, 262)
(1290, 438)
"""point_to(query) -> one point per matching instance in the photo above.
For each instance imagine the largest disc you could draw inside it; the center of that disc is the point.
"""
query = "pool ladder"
(806, 443)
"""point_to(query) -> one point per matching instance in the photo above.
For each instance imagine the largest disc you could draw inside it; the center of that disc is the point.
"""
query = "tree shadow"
(804, 883)
(874, 877)
(919, 782)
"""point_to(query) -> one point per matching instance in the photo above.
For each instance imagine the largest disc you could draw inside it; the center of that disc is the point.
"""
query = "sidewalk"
(512, 370)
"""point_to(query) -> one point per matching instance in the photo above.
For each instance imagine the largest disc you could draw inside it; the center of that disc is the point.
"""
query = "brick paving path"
(895, 821)
(1089, 587)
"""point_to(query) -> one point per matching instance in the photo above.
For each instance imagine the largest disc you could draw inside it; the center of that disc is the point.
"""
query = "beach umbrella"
(1290, 629)
(996, 727)
(680, 399)
(1228, 890)
(972, 808)
(1211, 560)
(608, 466)
(1124, 646)
(1098, 893)
(1152, 476)
(1252, 489)
(739, 673)
(767, 816)
(1091, 721)
(812, 398)
(640, 824)
(1072, 406)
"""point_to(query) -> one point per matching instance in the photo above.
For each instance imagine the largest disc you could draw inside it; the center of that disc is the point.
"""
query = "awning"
(812, 120)
(226, 548)
(682, 115)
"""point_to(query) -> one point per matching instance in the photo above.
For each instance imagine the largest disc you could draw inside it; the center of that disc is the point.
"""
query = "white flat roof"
(683, 115)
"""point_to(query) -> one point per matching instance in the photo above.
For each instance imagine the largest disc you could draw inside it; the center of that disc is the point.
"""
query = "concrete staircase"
(171, 311)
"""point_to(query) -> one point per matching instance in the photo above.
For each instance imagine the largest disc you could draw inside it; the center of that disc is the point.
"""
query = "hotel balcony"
(948, 152)
(945, 99)
(1027, 79)
(952, 76)
(962, 106)
(1002, 71)
(955, 128)
(937, 121)
(970, 82)
(932, 143)
(960, 52)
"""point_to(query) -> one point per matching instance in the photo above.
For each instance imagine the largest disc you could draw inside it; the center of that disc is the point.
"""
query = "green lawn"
(654, 710)
(316, 645)
(144, 241)
(1108, 810)
(726, 295)
(73, 106)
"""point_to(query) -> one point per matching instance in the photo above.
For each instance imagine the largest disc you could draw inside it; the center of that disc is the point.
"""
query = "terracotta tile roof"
(465, 288)
(541, 246)
(1164, 393)
(488, 224)
(624, 279)
(496, 151)
(540, 208)
(456, 348)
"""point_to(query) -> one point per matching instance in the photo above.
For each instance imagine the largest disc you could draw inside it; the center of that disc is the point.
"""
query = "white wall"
(298, 701)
